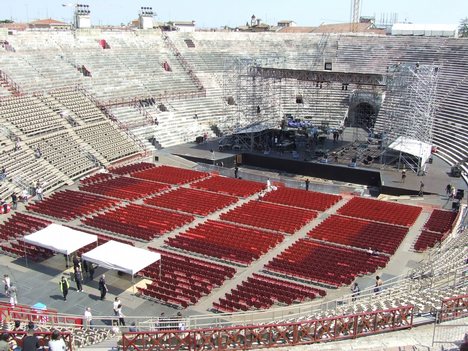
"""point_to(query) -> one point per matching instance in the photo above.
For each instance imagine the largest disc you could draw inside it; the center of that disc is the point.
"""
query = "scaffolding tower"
(412, 90)
(254, 99)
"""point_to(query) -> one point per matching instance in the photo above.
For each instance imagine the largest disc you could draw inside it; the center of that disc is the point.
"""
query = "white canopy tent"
(60, 239)
(415, 153)
(121, 257)
(413, 147)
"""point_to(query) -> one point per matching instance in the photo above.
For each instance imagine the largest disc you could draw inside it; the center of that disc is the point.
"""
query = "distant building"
(255, 25)
(48, 23)
(286, 23)
(426, 30)
(183, 26)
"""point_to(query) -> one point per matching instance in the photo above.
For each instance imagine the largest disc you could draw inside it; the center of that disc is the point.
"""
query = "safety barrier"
(272, 335)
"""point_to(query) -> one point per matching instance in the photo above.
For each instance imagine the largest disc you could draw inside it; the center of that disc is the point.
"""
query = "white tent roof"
(60, 239)
(121, 257)
(413, 147)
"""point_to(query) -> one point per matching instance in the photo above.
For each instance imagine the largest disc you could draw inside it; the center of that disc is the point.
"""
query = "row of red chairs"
(20, 224)
(131, 168)
(188, 278)
(440, 221)
(139, 221)
(188, 200)
(301, 198)
(230, 186)
(426, 240)
(270, 216)
(191, 265)
(360, 233)
(125, 188)
(260, 291)
(170, 175)
(324, 263)
(165, 297)
(226, 241)
(96, 178)
(381, 211)
(33, 252)
(70, 204)
(103, 238)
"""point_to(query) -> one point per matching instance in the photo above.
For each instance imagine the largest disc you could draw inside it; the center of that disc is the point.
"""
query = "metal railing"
(272, 335)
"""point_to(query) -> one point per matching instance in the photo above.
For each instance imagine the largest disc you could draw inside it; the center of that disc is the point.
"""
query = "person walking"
(236, 172)
(64, 286)
(39, 193)
(78, 279)
(102, 286)
(403, 175)
(421, 188)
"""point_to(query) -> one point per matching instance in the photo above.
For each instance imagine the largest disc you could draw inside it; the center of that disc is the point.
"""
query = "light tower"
(82, 16)
(356, 14)
(145, 18)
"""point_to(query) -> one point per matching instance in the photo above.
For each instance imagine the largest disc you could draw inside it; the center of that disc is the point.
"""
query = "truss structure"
(412, 89)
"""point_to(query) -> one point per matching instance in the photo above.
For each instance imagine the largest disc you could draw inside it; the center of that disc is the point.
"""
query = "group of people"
(81, 269)
(356, 290)
(30, 341)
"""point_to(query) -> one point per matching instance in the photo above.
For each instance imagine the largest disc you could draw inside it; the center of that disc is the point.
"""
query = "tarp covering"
(60, 239)
(121, 257)
(413, 147)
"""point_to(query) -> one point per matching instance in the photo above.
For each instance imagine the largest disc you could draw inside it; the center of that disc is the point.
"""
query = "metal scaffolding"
(411, 90)
(253, 99)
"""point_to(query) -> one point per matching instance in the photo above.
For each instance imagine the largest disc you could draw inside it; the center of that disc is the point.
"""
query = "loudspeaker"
(455, 205)
(460, 194)
(328, 66)
(156, 158)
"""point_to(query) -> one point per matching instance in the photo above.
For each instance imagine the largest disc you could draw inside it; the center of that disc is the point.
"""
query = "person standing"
(56, 342)
(91, 270)
(30, 341)
(356, 291)
(307, 183)
(236, 172)
(88, 318)
(378, 285)
(39, 193)
(6, 282)
(121, 315)
(448, 190)
(64, 286)
(14, 201)
(11, 292)
(78, 279)
(116, 305)
(403, 175)
(421, 188)
(103, 286)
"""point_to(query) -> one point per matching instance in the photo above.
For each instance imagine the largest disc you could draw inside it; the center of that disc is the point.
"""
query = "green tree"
(6, 21)
(463, 28)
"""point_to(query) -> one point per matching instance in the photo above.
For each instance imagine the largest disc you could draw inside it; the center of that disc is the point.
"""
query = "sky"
(218, 13)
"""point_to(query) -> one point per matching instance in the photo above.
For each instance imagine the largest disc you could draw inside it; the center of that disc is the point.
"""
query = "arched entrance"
(363, 115)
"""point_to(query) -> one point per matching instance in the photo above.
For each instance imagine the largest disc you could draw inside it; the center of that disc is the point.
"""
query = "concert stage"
(382, 178)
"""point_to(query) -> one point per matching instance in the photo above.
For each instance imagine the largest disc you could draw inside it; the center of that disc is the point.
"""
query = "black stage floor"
(435, 180)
